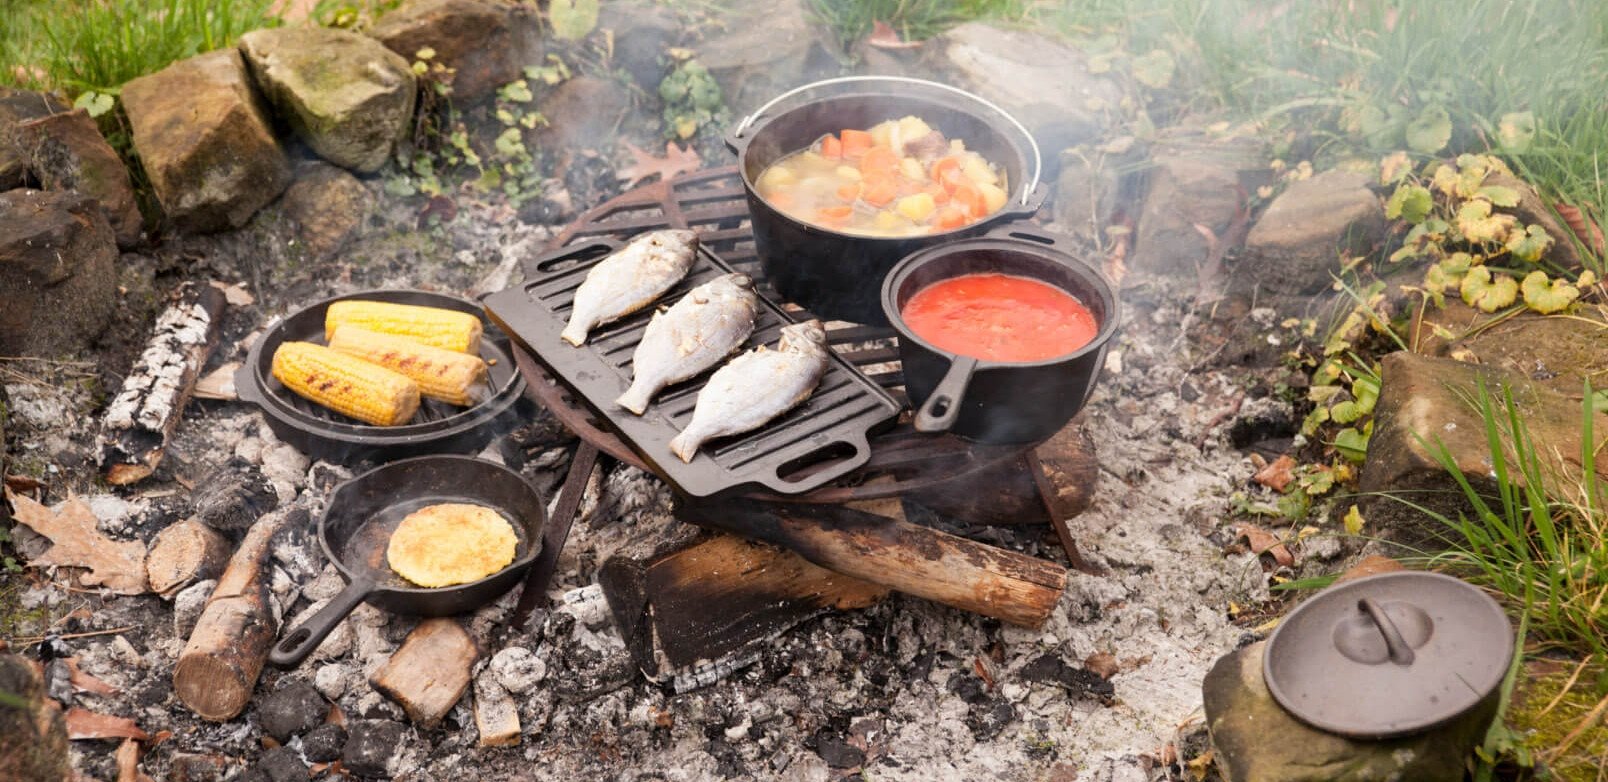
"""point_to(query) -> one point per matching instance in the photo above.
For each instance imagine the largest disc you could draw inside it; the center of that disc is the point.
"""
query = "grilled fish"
(696, 333)
(756, 387)
(630, 279)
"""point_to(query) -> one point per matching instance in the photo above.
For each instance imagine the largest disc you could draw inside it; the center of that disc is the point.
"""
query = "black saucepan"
(837, 275)
(364, 511)
(995, 401)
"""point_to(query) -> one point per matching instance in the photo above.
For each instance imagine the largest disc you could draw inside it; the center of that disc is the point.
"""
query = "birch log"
(134, 432)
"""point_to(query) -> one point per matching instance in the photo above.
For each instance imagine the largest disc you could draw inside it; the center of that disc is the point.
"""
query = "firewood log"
(219, 666)
(430, 672)
(134, 432)
(910, 558)
(183, 553)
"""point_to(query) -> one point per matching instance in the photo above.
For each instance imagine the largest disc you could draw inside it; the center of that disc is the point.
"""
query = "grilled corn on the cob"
(443, 328)
(350, 386)
(452, 377)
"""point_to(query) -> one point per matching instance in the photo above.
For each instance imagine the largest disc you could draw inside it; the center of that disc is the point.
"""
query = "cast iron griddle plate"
(819, 441)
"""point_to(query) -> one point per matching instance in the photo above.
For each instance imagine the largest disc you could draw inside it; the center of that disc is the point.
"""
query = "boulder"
(1296, 245)
(349, 98)
(1424, 401)
(67, 152)
(1532, 210)
(205, 141)
(642, 32)
(1195, 181)
(766, 50)
(1041, 80)
(487, 43)
(33, 738)
(1091, 187)
(1560, 352)
(1256, 740)
(583, 112)
(16, 107)
(57, 276)
(327, 206)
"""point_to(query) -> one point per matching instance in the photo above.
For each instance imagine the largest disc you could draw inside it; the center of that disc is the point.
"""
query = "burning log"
(916, 560)
(183, 553)
(138, 422)
(698, 597)
(428, 675)
(219, 666)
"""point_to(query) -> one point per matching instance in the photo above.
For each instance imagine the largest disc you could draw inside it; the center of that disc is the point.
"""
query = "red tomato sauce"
(997, 317)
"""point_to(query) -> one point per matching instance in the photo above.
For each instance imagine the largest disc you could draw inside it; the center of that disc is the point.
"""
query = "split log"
(183, 553)
(916, 560)
(134, 432)
(710, 596)
(1007, 494)
(430, 672)
(496, 717)
(219, 666)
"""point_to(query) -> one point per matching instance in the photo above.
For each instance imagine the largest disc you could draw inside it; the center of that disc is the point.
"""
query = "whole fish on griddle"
(630, 279)
(710, 322)
(756, 387)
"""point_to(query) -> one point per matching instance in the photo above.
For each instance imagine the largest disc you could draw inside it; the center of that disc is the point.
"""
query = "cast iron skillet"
(364, 511)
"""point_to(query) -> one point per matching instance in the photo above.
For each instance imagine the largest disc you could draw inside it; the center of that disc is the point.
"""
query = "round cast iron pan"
(364, 511)
(324, 434)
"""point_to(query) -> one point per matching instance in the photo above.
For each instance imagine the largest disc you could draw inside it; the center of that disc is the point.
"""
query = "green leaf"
(1345, 412)
(1529, 244)
(510, 143)
(516, 91)
(1318, 417)
(1499, 195)
(1516, 131)
(1155, 69)
(572, 19)
(1352, 444)
(1410, 202)
(1448, 273)
(1476, 223)
(1366, 391)
(1489, 294)
(1548, 297)
(95, 103)
(1430, 131)
(1353, 521)
(1382, 127)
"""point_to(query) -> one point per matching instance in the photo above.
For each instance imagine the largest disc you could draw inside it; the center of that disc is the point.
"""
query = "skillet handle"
(942, 407)
(289, 651)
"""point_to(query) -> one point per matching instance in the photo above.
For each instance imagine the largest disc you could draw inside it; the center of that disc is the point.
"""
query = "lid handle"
(1400, 652)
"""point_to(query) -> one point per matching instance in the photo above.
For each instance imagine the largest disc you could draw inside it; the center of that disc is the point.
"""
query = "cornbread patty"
(451, 543)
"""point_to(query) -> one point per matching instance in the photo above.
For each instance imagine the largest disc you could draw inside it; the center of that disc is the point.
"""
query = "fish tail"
(685, 445)
(637, 397)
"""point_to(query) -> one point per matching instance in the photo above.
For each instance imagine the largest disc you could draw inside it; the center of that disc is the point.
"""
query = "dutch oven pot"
(837, 275)
(996, 401)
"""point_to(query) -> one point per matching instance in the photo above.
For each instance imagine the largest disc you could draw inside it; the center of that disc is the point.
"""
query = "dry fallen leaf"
(86, 724)
(1102, 664)
(117, 565)
(883, 36)
(235, 294)
(1277, 475)
(1262, 541)
(675, 161)
(128, 763)
(1584, 227)
(86, 682)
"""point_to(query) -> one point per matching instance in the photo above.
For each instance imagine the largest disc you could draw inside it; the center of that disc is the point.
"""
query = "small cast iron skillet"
(999, 402)
(364, 511)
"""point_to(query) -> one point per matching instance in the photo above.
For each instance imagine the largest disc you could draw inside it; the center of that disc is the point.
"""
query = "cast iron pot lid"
(1388, 655)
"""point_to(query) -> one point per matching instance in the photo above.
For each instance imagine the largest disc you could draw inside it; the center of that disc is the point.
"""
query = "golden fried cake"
(451, 543)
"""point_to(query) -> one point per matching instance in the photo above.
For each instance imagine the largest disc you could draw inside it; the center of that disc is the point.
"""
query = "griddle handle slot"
(859, 449)
(548, 262)
(288, 652)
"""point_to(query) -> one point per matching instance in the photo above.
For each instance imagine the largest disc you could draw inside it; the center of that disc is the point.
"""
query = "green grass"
(913, 20)
(97, 45)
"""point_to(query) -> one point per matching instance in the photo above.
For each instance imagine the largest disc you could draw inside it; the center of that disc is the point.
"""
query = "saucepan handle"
(942, 407)
(290, 650)
(837, 469)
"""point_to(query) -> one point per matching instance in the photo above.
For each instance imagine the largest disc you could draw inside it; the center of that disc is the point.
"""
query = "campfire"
(967, 391)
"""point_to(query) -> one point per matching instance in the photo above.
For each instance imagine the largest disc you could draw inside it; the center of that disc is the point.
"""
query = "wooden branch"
(219, 666)
(916, 560)
(183, 553)
(710, 597)
(135, 430)
(430, 672)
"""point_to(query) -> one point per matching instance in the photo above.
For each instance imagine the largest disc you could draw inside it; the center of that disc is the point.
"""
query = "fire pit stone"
(293, 709)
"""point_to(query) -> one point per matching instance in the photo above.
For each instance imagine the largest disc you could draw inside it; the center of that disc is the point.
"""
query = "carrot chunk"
(968, 197)
(879, 160)
(849, 192)
(879, 191)
(856, 143)
(831, 147)
(947, 172)
(949, 218)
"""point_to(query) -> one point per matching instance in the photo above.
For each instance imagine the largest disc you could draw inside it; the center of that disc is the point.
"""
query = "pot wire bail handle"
(1038, 157)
